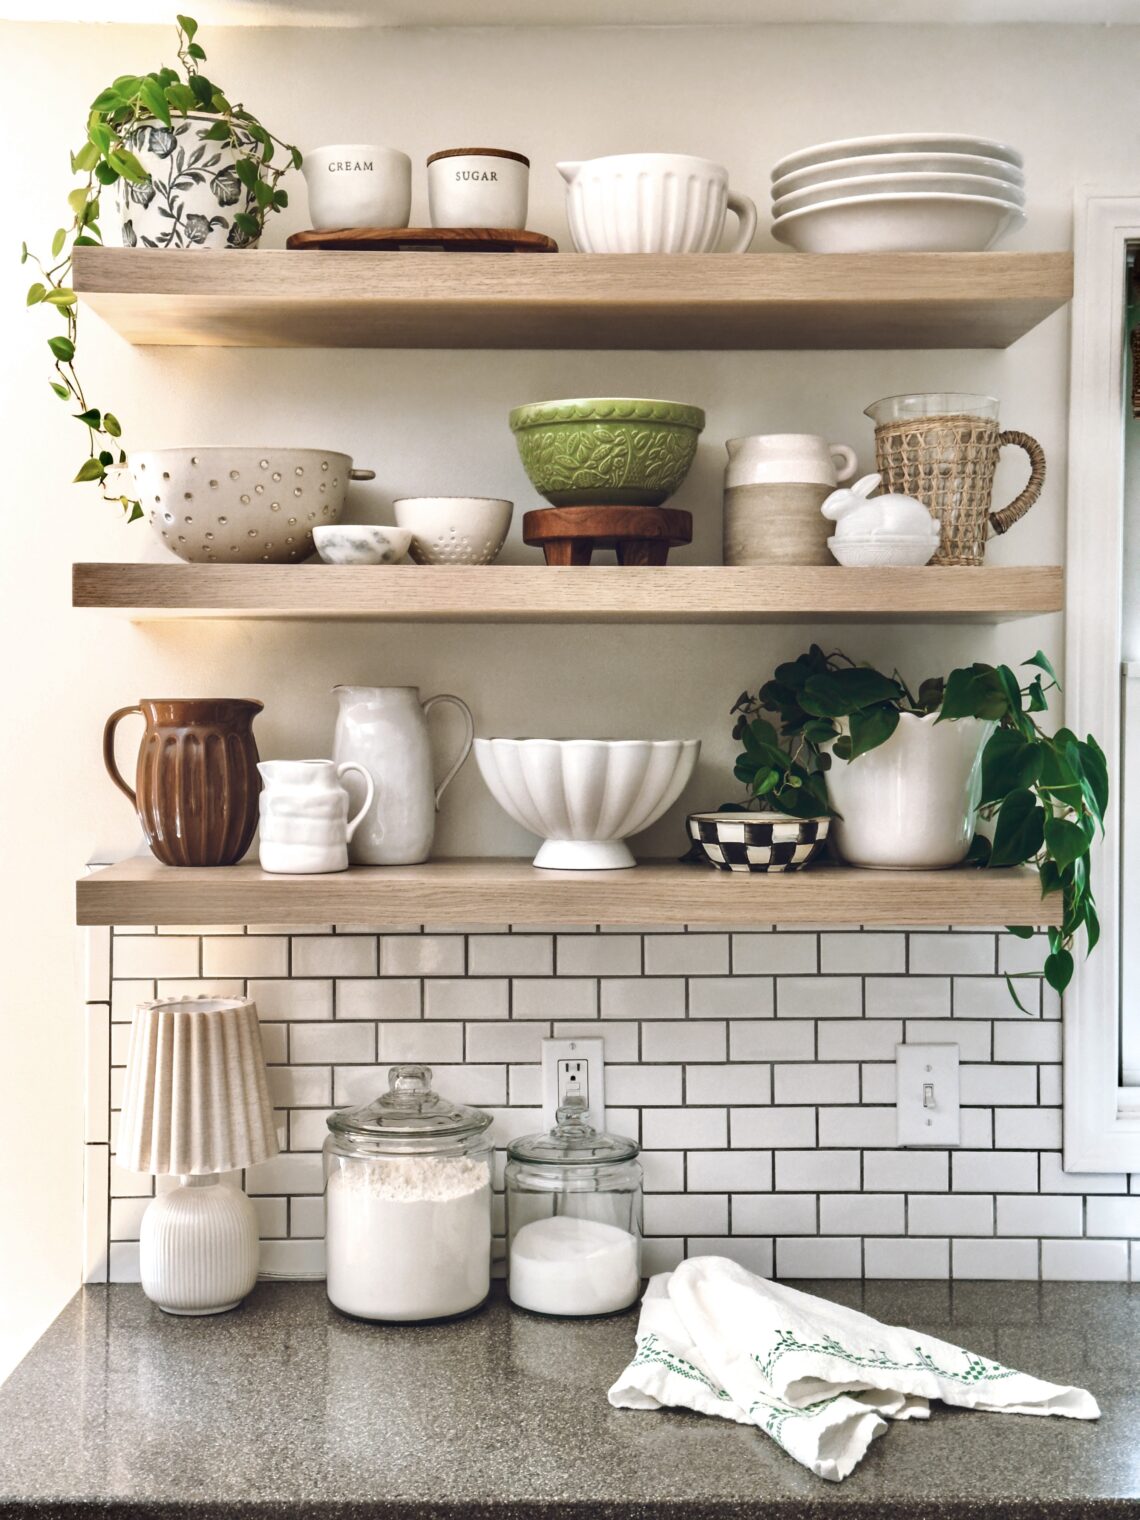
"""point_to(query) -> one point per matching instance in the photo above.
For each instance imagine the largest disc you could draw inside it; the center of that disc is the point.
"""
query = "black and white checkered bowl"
(758, 841)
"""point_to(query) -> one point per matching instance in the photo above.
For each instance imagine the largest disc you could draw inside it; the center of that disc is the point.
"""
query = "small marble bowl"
(361, 544)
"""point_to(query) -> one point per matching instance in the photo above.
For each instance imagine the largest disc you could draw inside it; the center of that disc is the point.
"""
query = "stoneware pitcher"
(196, 783)
(652, 203)
(305, 827)
(384, 729)
(774, 484)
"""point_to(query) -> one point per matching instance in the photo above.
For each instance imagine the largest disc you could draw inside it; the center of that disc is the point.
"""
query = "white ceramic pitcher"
(384, 729)
(800, 458)
(305, 828)
(652, 203)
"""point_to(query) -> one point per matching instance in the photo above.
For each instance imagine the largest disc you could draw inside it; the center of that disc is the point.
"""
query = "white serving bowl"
(898, 163)
(899, 184)
(914, 223)
(455, 530)
(583, 797)
(361, 544)
(239, 506)
(896, 142)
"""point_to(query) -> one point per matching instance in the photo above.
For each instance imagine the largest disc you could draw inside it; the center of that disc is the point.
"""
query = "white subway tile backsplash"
(756, 1067)
(731, 997)
(737, 1082)
(862, 953)
(635, 997)
(686, 955)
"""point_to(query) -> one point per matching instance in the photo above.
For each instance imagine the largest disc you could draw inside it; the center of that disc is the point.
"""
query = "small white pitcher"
(305, 827)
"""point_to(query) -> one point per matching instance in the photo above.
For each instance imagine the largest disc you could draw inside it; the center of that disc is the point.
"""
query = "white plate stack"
(926, 193)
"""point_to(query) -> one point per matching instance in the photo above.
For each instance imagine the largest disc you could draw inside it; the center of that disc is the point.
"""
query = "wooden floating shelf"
(593, 594)
(278, 299)
(141, 891)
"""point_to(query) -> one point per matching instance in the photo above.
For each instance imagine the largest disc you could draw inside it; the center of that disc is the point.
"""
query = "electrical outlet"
(572, 1068)
(927, 1095)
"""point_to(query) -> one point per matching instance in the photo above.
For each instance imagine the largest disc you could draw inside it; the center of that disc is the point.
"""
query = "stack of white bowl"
(925, 193)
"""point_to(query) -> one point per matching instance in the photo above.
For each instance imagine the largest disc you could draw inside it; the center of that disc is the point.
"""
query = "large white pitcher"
(384, 729)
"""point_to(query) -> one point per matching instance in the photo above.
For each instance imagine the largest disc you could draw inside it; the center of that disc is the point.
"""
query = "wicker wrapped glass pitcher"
(943, 448)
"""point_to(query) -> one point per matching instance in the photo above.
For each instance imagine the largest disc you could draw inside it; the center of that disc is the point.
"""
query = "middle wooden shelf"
(507, 890)
(594, 594)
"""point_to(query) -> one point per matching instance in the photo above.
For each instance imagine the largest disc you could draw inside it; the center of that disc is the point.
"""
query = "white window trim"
(1102, 1120)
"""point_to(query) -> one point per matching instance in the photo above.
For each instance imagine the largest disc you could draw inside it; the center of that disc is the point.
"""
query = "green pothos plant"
(117, 113)
(1045, 794)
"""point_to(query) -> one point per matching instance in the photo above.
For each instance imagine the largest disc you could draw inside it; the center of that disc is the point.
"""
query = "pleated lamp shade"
(196, 1099)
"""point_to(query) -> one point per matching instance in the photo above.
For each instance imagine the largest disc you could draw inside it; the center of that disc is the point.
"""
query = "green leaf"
(197, 52)
(106, 175)
(58, 241)
(155, 101)
(1022, 931)
(204, 95)
(974, 691)
(90, 469)
(181, 97)
(63, 349)
(1042, 664)
(1092, 928)
(1059, 970)
(263, 194)
(1014, 996)
(1065, 841)
(92, 417)
(930, 694)
(246, 171)
(23, 253)
(128, 166)
(979, 852)
(297, 158)
(839, 693)
(1095, 769)
(1020, 829)
(85, 160)
(247, 224)
(188, 25)
(77, 199)
(871, 727)
(60, 297)
(1037, 701)
(1009, 762)
(111, 424)
(61, 390)
(36, 293)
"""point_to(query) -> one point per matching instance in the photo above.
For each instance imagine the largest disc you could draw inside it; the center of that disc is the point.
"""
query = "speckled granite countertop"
(286, 1408)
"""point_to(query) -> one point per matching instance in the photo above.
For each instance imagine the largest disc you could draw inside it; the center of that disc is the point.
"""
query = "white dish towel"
(821, 1379)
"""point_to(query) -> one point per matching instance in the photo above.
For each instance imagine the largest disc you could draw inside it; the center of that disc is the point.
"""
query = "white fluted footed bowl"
(584, 797)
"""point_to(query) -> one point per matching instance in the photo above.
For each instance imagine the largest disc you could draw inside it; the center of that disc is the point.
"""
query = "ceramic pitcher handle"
(846, 462)
(468, 737)
(1001, 521)
(369, 793)
(109, 749)
(362, 474)
(746, 211)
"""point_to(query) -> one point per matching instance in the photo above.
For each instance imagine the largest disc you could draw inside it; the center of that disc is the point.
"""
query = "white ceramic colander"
(240, 506)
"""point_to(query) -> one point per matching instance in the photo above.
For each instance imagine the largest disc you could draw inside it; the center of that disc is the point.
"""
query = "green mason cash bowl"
(609, 451)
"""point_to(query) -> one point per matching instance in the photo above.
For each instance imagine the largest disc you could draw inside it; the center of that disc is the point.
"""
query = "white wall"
(432, 422)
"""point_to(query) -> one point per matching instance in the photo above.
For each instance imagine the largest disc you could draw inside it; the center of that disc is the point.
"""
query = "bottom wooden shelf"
(141, 891)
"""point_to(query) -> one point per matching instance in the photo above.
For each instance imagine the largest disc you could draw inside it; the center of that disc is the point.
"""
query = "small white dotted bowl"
(455, 530)
(242, 506)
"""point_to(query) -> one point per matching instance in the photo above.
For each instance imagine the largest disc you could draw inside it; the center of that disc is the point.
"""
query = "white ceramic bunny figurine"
(879, 530)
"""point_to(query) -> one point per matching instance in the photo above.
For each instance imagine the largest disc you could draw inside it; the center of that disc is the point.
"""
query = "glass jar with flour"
(408, 1196)
(573, 1219)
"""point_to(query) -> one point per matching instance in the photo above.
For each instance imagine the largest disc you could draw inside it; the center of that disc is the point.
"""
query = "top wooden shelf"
(280, 299)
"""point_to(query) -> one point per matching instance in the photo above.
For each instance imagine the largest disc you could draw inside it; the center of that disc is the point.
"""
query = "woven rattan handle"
(1002, 521)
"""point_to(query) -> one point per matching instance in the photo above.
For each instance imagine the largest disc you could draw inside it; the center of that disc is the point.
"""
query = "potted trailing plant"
(1044, 794)
(190, 170)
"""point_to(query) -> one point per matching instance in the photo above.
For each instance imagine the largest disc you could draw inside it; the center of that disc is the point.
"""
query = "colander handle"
(1006, 518)
(362, 474)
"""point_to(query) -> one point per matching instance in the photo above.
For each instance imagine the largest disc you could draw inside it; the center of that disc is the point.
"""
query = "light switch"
(928, 1103)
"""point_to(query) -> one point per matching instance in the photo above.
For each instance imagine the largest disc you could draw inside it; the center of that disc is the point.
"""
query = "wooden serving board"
(426, 240)
(639, 535)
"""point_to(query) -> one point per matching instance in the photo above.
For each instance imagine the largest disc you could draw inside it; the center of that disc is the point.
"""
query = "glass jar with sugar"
(408, 1198)
(573, 1219)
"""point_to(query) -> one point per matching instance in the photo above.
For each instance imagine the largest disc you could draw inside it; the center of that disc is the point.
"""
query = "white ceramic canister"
(911, 804)
(384, 729)
(358, 185)
(652, 203)
(478, 187)
(305, 827)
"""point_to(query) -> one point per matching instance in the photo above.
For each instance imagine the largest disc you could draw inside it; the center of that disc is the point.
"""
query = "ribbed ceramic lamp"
(196, 1104)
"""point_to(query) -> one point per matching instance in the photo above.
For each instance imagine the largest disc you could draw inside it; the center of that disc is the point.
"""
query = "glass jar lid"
(573, 1142)
(409, 1111)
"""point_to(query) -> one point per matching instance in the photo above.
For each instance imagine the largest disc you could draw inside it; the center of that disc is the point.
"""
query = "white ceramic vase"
(198, 1247)
(383, 729)
(305, 828)
(911, 804)
(652, 203)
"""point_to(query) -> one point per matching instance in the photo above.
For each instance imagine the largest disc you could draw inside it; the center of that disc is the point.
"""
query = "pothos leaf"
(1059, 970)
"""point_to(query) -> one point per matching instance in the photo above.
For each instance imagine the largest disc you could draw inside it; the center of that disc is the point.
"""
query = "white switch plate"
(592, 1053)
(927, 1095)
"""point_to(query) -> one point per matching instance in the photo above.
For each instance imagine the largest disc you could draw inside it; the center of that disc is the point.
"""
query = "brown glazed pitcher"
(196, 784)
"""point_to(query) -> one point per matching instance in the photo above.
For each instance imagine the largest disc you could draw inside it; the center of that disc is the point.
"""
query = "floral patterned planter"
(193, 191)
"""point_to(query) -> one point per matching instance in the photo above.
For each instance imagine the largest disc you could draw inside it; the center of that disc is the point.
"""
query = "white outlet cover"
(593, 1052)
(938, 1120)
